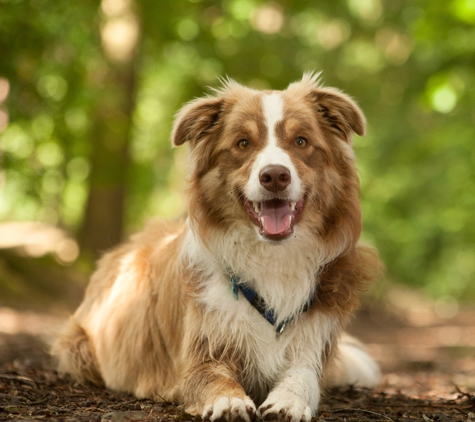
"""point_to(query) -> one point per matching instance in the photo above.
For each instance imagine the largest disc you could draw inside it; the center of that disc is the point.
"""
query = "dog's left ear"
(340, 112)
(196, 120)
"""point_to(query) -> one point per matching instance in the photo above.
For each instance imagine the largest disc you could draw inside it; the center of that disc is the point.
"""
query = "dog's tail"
(74, 353)
(353, 366)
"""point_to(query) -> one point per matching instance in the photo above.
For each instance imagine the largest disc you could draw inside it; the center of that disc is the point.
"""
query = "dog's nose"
(275, 178)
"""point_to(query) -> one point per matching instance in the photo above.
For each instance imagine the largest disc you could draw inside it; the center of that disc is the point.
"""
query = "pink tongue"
(277, 216)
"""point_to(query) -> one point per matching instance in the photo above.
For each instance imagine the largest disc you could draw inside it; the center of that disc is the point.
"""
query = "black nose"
(275, 178)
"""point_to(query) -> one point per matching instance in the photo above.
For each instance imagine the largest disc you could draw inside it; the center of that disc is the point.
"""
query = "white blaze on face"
(273, 110)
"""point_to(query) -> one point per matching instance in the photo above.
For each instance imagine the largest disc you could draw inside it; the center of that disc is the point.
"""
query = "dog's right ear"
(196, 120)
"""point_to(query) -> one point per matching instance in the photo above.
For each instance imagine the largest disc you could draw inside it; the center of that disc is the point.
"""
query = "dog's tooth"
(292, 206)
(256, 207)
(262, 221)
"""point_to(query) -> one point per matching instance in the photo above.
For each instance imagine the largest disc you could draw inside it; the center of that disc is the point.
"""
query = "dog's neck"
(283, 274)
(269, 314)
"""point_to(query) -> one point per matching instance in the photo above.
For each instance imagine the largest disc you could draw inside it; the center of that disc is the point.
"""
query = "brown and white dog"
(244, 302)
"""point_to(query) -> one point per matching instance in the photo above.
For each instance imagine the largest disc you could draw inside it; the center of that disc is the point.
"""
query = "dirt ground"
(426, 351)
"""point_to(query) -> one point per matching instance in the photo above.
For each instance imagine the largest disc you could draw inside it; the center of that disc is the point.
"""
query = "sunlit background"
(88, 91)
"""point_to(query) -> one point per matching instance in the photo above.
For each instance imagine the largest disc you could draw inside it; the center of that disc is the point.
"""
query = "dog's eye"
(243, 144)
(301, 142)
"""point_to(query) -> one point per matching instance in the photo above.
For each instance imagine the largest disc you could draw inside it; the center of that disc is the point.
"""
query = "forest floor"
(426, 351)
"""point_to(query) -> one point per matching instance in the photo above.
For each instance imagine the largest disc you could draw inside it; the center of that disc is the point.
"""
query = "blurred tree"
(89, 127)
(115, 80)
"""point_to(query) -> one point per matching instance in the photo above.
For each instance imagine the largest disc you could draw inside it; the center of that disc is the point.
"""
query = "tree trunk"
(103, 221)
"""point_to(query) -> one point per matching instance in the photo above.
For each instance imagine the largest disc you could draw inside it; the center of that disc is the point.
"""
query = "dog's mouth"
(275, 218)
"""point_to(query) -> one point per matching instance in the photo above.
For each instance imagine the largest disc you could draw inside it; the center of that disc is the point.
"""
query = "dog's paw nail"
(263, 409)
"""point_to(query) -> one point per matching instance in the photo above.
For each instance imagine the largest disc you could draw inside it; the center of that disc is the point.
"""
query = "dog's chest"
(233, 323)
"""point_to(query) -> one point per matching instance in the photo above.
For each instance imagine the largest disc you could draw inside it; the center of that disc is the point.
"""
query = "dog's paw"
(286, 408)
(230, 409)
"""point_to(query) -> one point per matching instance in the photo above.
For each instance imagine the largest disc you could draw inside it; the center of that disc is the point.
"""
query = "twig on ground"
(11, 397)
(463, 393)
(363, 410)
(18, 378)
(46, 399)
(461, 411)
(115, 406)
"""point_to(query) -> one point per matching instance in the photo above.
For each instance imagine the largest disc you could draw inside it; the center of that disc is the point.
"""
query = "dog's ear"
(196, 120)
(340, 112)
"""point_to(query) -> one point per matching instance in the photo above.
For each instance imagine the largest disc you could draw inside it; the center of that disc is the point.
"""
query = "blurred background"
(88, 91)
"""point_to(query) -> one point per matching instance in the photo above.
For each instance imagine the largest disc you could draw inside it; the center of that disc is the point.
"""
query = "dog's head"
(276, 162)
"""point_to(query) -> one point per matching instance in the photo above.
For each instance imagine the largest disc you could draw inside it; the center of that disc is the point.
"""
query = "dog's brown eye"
(243, 144)
(301, 142)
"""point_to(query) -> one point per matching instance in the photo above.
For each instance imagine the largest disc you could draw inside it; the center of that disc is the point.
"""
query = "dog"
(238, 311)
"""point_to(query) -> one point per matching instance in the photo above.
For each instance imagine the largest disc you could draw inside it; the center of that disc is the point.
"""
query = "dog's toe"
(286, 410)
(230, 409)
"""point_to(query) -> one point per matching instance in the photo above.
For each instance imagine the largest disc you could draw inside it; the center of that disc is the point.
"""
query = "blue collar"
(260, 305)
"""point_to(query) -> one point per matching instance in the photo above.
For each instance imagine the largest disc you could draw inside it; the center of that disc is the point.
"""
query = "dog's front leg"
(211, 390)
(296, 394)
(210, 385)
(295, 398)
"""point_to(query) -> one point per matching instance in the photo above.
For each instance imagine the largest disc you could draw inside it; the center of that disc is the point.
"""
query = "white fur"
(290, 399)
(356, 366)
(273, 108)
(296, 394)
(240, 251)
(273, 105)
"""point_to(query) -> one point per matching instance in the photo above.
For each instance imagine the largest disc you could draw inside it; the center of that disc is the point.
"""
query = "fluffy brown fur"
(159, 318)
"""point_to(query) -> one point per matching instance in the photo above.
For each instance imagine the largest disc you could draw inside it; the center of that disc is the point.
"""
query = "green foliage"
(409, 64)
